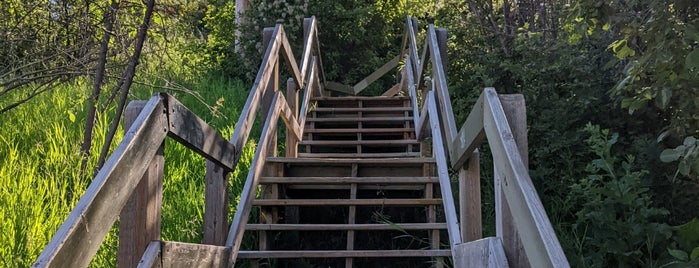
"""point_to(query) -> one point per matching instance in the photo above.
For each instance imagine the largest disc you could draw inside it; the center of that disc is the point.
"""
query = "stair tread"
(360, 142)
(246, 254)
(353, 155)
(362, 98)
(360, 119)
(363, 109)
(370, 226)
(358, 130)
(350, 161)
(344, 180)
(348, 202)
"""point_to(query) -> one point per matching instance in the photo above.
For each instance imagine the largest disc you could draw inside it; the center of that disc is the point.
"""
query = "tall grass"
(40, 161)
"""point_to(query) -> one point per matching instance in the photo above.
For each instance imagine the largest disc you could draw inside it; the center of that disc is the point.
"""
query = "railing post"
(470, 199)
(442, 44)
(272, 87)
(292, 96)
(516, 113)
(139, 222)
(216, 204)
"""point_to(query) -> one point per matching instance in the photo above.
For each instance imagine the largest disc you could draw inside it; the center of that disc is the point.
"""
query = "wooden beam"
(292, 94)
(381, 71)
(295, 254)
(290, 60)
(469, 137)
(539, 240)
(392, 91)
(487, 253)
(139, 220)
(289, 118)
(190, 130)
(307, 93)
(309, 26)
(215, 204)
(97, 210)
(342, 88)
(349, 202)
(344, 227)
(242, 213)
(151, 257)
(186, 255)
(441, 86)
(443, 173)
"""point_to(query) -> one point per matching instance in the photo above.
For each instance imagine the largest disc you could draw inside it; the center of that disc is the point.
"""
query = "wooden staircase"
(358, 195)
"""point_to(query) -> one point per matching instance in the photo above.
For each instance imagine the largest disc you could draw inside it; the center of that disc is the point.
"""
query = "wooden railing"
(521, 221)
(133, 173)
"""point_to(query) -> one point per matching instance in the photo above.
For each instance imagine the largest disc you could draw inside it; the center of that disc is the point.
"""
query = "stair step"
(287, 254)
(358, 130)
(348, 180)
(362, 109)
(343, 227)
(361, 142)
(350, 161)
(348, 202)
(360, 98)
(354, 155)
(360, 119)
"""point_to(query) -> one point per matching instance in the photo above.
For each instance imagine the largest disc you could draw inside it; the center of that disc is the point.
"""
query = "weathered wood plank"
(487, 253)
(292, 94)
(235, 234)
(470, 199)
(347, 180)
(540, 242)
(289, 118)
(215, 204)
(309, 26)
(151, 257)
(412, 46)
(343, 227)
(349, 202)
(443, 173)
(139, 220)
(412, 92)
(190, 130)
(392, 91)
(289, 59)
(368, 162)
(186, 255)
(381, 71)
(423, 123)
(470, 135)
(308, 93)
(342, 88)
(441, 86)
(291, 254)
(97, 210)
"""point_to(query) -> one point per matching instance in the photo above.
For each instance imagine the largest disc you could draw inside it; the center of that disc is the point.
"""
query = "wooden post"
(292, 97)
(272, 87)
(470, 199)
(139, 222)
(240, 7)
(442, 44)
(216, 204)
(516, 113)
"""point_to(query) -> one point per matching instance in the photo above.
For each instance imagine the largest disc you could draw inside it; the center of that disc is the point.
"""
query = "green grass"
(39, 163)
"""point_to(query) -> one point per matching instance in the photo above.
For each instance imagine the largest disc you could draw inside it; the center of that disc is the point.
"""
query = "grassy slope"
(39, 162)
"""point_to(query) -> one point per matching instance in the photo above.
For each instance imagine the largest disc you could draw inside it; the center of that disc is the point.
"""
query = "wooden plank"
(339, 87)
(344, 227)
(469, 137)
(355, 155)
(346, 180)
(413, 96)
(151, 257)
(470, 199)
(293, 254)
(289, 58)
(235, 234)
(540, 242)
(360, 119)
(372, 162)
(363, 109)
(249, 111)
(487, 253)
(292, 94)
(288, 117)
(442, 45)
(381, 71)
(362, 98)
(273, 85)
(412, 47)
(307, 93)
(349, 202)
(186, 255)
(97, 210)
(190, 130)
(357, 130)
(362, 142)
(423, 124)
(309, 29)
(443, 173)
(392, 91)
(215, 205)
(441, 86)
(139, 220)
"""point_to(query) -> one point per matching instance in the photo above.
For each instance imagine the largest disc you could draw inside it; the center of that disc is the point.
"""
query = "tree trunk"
(127, 80)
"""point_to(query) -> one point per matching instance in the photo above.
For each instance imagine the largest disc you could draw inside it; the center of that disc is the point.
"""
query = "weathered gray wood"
(440, 81)
(97, 210)
(423, 123)
(442, 45)
(470, 136)
(186, 255)
(443, 173)
(309, 32)
(412, 46)
(273, 85)
(190, 130)
(290, 60)
(487, 253)
(350, 202)
(369, 162)
(242, 213)
(540, 242)
(516, 114)
(292, 94)
(139, 220)
(343, 227)
(342, 88)
(307, 94)
(412, 92)
(151, 257)
(292, 254)
(381, 71)
(347, 180)
(470, 199)
(215, 204)
(292, 126)
(392, 91)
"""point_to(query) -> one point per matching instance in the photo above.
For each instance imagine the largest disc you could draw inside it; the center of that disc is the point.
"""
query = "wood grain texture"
(186, 255)
(381, 71)
(139, 220)
(97, 210)
(440, 81)
(540, 242)
(487, 253)
(215, 204)
(470, 199)
(292, 94)
(470, 136)
(344, 253)
(151, 257)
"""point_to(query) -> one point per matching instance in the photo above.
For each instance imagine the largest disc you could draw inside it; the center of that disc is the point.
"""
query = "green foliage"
(686, 247)
(687, 154)
(617, 220)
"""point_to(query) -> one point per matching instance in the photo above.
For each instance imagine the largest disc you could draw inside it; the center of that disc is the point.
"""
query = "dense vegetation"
(612, 91)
